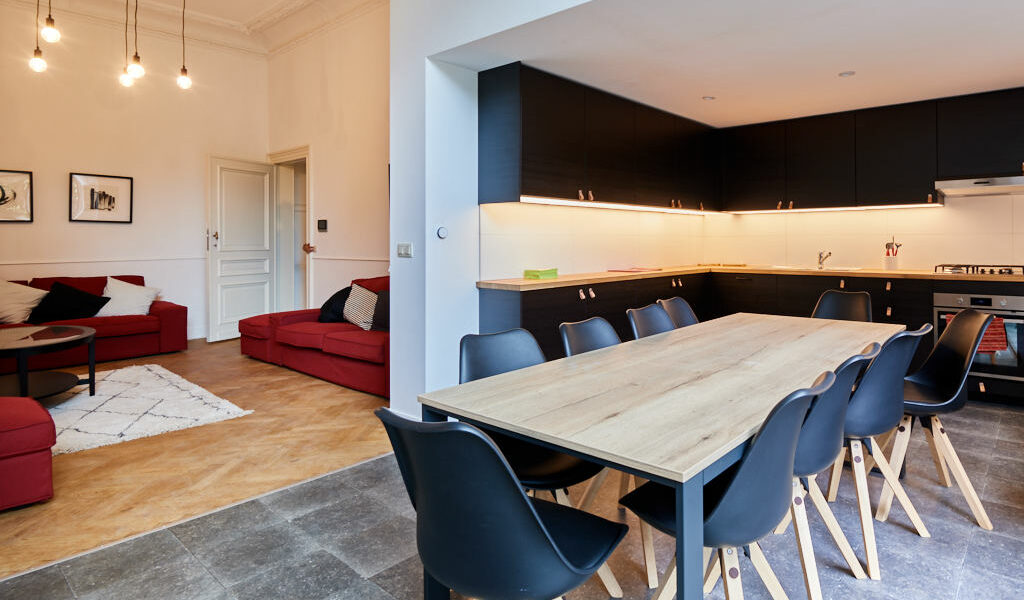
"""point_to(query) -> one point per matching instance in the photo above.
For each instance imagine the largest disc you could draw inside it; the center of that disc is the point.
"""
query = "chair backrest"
(843, 306)
(877, 404)
(484, 355)
(476, 531)
(946, 368)
(583, 336)
(759, 494)
(649, 320)
(821, 437)
(679, 311)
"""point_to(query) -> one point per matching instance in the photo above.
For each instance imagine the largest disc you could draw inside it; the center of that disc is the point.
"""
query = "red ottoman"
(26, 436)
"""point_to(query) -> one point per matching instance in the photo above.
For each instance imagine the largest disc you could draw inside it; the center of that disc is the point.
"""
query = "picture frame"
(16, 196)
(100, 198)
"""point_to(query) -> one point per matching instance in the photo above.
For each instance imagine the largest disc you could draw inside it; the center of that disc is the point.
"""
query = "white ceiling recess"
(764, 61)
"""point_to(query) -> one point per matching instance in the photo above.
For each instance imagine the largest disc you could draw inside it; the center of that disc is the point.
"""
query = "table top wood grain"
(671, 404)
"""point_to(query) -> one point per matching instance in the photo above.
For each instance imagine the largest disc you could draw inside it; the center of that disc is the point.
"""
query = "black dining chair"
(537, 467)
(477, 532)
(877, 408)
(843, 306)
(744, 503)
(583, 336)
(939, 388)
(649, 320)
(679, 311)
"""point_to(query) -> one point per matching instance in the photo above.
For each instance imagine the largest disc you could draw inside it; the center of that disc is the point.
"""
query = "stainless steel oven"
(999, 355)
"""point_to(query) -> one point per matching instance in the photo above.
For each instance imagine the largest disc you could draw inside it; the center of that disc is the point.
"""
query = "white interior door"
(240, 262)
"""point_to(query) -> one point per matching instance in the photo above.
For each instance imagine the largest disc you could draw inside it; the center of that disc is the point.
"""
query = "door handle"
(216, 235)
(308, 248)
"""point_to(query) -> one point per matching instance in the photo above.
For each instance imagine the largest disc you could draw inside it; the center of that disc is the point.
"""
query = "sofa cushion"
(25, 426)
(358, 344)
(256, 327)
(374, 284)
(310, 334)
(92, 285)
(127, 298)
(65, 302)
(333, 311)
(18, 301)
(360, 305)
(116, 326)
(382, 312)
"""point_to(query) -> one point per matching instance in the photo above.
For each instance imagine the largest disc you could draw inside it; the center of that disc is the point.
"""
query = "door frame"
(292, 155)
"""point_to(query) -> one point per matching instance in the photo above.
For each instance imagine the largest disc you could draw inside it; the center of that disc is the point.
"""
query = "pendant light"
(184, 81)
(135, 68)
(37, 63)
(49, 32)
(126, 79)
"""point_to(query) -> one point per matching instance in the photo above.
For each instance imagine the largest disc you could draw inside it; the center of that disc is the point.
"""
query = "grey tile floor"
(351, 535)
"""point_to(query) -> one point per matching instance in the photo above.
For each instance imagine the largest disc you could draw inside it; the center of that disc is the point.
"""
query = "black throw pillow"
(381, 312)
(333, 311)
(64, 302)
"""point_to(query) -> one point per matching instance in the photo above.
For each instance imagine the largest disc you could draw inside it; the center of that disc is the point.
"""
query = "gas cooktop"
(969, 269)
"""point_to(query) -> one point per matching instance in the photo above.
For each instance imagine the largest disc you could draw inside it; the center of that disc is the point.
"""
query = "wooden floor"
(301, 427)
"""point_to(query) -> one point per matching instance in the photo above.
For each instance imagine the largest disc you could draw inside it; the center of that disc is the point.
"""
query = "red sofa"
(341, 353)
(164, 329)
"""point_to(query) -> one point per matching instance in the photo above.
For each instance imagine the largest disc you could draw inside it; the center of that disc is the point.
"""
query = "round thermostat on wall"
(442, 232)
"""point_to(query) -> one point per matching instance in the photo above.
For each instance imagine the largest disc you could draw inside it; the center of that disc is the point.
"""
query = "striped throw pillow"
(360, 306)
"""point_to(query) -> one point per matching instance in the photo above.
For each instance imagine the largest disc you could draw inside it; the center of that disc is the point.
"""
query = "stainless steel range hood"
(982, 186)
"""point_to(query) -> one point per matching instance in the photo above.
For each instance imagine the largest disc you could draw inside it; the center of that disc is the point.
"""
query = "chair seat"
(539, 468)
(585, 540)
(655, 503)
(921, 400)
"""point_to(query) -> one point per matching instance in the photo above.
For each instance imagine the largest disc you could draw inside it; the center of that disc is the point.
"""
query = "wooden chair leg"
(940, 462)
(784, 524)
(764, 571)
(624, 484)
(867, 526)
(729, 559)
(713, 571)
(592, 489)
(950, 457)
(604, 573)
(834, 477)
(803, 543)
(667, 589)
(893, 481)
(650, 562)
(833, 528)
(896, 459)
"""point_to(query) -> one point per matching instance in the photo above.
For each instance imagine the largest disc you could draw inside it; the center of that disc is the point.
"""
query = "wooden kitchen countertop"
(525, 285)
(669, 404)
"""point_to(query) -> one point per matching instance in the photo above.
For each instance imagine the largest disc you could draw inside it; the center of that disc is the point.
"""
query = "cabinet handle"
(582, 295)
(580, 194)
(680, 283)
(590, 195)
(779, 207)
(842, 284)
(673, 283)
(888, 311)
(929, 198)
(744, 279)
(592, 294)
(888, 286)
(791, 204)
(702, 204)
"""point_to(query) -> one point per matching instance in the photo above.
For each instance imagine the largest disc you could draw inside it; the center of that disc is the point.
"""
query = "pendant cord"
(182, 34)
(126, 33)
(37, 24)
(136, 27)
(49, 9)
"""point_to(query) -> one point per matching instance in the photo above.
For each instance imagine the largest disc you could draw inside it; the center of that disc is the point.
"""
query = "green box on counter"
(540, 273)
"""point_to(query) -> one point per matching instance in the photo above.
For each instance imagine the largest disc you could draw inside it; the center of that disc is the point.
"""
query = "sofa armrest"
(173, 325)
(387, 366)
(293, 316)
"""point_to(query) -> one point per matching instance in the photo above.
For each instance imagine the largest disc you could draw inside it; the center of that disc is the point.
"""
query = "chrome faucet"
(822, 257)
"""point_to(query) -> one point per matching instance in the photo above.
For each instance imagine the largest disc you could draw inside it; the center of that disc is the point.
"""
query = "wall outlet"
(404, 250)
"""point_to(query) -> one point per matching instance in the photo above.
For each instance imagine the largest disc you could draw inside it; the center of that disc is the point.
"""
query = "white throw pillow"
(127, 298)
(17, 301)
(360, 306)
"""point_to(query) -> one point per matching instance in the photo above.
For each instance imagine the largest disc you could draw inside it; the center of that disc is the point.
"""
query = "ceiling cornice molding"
(354, 12)
(275, 14)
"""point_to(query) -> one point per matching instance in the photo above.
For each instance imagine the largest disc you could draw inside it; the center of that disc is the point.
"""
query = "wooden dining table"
(676, 408)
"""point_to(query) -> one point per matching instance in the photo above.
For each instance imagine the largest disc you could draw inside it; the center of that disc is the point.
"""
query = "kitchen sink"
(827, 268)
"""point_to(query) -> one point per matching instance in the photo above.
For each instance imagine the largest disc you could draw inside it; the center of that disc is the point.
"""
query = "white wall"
(425, 190)
(330, 92)
(76, 117)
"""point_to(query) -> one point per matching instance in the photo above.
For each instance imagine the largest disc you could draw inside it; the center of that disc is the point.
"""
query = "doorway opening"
(293, 239)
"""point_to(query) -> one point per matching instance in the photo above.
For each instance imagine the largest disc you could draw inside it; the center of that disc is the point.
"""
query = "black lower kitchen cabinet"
(740, 292)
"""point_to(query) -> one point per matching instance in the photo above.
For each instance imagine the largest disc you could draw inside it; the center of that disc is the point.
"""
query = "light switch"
(404, 250)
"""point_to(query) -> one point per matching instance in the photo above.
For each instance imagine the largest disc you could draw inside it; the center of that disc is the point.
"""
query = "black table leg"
(433, 589)
(23, 374)
(92, 367)
(690, 539)
(432, 416)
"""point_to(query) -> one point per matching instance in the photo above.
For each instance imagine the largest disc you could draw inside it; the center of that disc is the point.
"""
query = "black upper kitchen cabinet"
(753, 167)
(610, 148)
(553, 134)
(697, 168)
(896, 154)
(658, 143)
(820, 161)
(981, 135)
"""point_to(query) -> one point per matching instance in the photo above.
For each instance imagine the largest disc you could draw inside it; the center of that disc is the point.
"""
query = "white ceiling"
(770, 60)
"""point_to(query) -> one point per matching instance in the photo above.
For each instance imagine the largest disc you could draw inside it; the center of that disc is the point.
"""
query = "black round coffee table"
(22, 342)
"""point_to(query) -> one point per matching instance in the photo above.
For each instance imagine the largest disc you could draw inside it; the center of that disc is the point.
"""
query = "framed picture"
(100, 198)
(15, 196)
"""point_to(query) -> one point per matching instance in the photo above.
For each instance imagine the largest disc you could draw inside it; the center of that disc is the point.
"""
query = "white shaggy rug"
(132, 403)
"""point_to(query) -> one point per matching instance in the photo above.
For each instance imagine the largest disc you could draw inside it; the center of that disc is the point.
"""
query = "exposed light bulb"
(37, 63)
(126, 79)
(135, 68)
(50, 32)
(184, 81)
